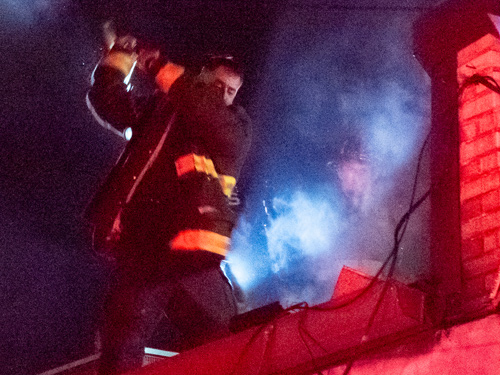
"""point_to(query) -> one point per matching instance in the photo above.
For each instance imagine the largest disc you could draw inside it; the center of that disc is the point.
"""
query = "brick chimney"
(479, 156)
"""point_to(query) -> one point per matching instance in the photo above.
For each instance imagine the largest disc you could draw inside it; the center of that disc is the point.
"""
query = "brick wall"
(479, 125)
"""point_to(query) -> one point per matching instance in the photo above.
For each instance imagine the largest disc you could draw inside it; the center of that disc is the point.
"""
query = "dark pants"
(187, 288)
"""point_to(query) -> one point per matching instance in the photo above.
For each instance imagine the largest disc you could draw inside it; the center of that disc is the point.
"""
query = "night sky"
(315, 73)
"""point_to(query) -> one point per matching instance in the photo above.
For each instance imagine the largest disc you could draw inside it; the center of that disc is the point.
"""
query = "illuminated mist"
(21, 13)
(333, 75)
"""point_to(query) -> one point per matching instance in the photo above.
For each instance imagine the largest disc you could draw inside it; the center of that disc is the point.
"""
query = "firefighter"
(164, 213)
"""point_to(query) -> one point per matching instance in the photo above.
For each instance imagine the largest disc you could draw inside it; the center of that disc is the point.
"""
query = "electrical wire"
(254, 337)
(392, 257)
(488, 82)
(246, 348)
(303, 331)
(398, 236)
(476, 79)
(266, 355)
(399, 232)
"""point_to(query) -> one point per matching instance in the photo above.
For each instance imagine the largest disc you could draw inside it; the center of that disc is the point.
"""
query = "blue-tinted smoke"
(391, 123)
(304, 225)
(18, 14)
(332, 75)
(281, 257)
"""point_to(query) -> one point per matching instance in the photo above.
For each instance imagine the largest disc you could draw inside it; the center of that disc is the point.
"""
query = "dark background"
(303, 78)
(54, 156)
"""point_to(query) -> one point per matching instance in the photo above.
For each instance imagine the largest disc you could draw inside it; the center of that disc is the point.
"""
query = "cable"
(303, 332)
(304, 305)
(247, 347)
(266, 355)
(254, 337)
(392, 257)
(397, 239)
(398, 236)
(476, 79)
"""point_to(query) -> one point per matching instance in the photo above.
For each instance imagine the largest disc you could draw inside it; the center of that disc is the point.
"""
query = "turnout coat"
(171, 187)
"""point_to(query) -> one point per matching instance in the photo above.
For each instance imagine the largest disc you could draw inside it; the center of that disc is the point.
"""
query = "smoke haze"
(332, 75)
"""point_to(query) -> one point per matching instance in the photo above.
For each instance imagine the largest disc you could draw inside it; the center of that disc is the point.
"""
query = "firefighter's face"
(355, 178)
(226, 80)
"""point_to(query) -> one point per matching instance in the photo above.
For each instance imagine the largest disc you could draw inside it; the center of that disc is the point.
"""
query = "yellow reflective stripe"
(198, 239)
(196, 163)
(122, 61)
(206, 165)
(227, 183)
(167, 75)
